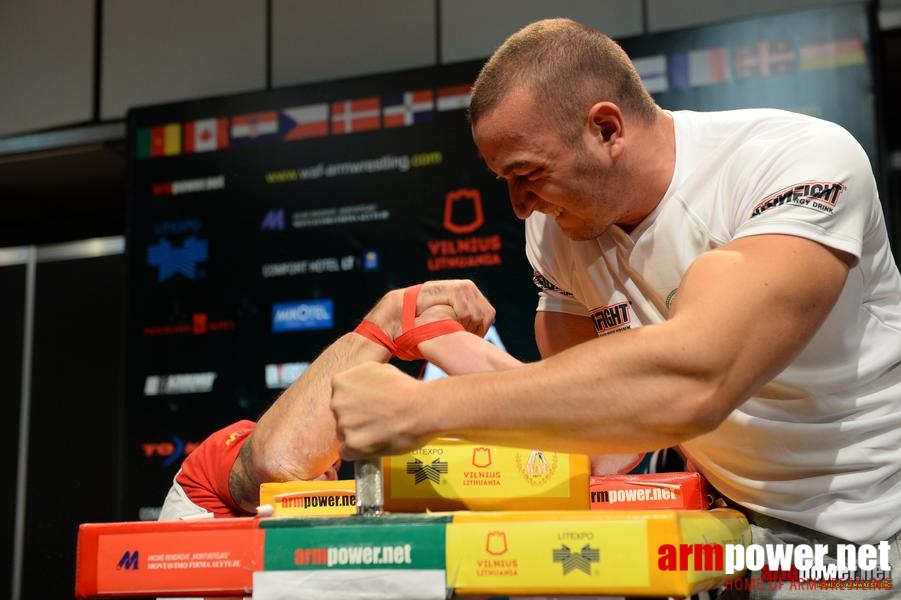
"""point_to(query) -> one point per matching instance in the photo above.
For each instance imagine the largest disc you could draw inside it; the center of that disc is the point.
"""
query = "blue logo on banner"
(371, 261)
(303, 315)
(274, 220)
(172, 259)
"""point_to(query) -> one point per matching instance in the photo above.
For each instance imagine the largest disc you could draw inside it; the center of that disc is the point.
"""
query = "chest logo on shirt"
(613, 318)
(821, 196)
(547, 285)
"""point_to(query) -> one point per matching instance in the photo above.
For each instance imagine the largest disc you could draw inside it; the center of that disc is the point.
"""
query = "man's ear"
(605, 122)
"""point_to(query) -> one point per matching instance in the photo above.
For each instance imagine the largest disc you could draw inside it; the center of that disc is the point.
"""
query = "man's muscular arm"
(640, 389)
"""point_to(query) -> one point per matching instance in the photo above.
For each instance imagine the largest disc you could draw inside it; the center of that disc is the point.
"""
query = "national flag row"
(300, 122)
(766, 58)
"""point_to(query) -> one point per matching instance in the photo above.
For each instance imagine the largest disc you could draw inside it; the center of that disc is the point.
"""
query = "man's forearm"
(295, 438)
(595, 415)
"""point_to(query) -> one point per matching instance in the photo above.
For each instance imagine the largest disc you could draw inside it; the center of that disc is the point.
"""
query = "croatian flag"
(652, 70)
(305, 121)
(699, 67)
(410, 108)
(351, 116)
(455, 97)
(255, 127)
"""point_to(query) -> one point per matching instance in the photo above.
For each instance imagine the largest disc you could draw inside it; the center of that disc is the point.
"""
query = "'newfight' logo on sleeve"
(615, 317)
(816, 195)
(304, 315)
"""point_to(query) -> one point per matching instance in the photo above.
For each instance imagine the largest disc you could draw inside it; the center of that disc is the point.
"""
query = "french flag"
(699, 68)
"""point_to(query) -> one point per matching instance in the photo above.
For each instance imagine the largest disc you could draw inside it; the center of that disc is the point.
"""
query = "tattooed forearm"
(244, 487)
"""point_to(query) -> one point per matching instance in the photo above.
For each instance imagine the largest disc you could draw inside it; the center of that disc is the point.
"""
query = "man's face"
(570, 182)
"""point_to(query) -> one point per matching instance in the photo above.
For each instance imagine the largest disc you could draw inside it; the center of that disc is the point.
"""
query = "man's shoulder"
(756, 122)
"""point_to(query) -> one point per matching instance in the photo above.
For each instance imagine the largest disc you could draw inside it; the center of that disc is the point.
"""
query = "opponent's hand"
(469, 306)
(433, 314)
(376, 411)
(472, 309)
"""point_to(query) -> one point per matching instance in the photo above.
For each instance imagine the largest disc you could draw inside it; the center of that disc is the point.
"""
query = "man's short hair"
(568, 67)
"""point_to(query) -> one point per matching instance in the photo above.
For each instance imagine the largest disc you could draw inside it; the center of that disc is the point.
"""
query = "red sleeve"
(204, 473)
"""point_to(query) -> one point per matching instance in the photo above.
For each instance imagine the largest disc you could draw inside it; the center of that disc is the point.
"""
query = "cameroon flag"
(163, 140)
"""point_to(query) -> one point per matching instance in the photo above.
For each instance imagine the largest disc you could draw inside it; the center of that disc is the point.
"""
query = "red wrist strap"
(373, 332)
(408, 342)
(408, 313)
(406, 345)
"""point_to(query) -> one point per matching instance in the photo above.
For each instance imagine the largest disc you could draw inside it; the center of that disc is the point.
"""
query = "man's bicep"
(754, 304)
(557, 331)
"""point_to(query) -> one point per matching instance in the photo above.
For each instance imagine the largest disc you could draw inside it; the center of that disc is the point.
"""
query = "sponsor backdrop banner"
(263, 226)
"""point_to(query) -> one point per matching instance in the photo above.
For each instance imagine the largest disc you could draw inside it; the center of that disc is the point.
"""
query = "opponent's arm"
(461, 352)
(295, 438)
(743, 312)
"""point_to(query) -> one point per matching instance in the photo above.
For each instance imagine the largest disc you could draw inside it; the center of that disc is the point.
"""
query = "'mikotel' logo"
(422, 471)
(577, 561)
(608, 319)
(303, 315)
(129, 561)
(820, 196)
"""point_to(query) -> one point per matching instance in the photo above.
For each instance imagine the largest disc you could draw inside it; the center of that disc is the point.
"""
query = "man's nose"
(523, 202)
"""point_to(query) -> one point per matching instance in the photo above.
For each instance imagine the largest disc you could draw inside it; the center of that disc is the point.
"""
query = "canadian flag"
(205, 135)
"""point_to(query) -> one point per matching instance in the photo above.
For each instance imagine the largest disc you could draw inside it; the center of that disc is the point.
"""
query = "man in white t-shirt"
(718, 281)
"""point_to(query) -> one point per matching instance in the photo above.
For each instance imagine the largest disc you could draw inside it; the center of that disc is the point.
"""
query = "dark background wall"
(69, 72)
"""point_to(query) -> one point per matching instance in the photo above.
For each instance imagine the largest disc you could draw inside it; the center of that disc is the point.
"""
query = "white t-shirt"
(823, 449)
